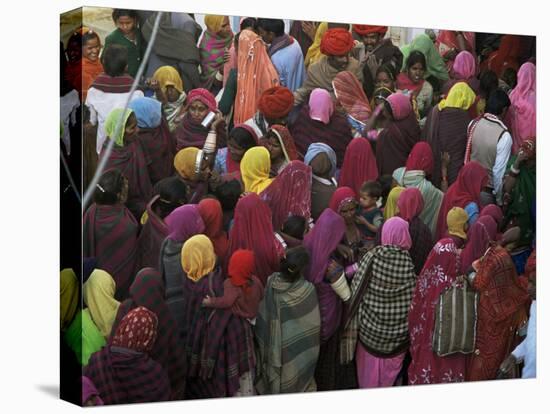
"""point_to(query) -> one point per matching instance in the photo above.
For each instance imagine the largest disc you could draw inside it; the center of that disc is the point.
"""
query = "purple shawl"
(184, 222)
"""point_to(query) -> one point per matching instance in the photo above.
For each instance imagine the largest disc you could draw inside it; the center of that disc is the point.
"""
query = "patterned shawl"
(431, 195)
(152, 233)
(212, 48)
(191, 133)
(349, 93)
(159, 149)
(287, 332)
(480, 237)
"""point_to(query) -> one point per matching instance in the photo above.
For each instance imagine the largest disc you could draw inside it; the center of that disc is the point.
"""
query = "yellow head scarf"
(456, 219)
(391, 209)
(185, 161)
(198, 257)
(255, 166)
(168, 76)
(69, 297)
(214, 22)
(460, 96)
(99, 296)
(111, 125)
(314, 52)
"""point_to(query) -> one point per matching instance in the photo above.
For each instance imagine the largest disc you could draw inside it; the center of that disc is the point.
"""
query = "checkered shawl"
(383, 308)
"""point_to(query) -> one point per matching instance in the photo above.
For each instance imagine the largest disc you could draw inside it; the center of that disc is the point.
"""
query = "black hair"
(334, 25)
(89, 35)
(386, 68)
(385, 182)
(109, 187)
(293, 264)
(118, 13)
(295, 226)
(372, 188)
(115, 60)
(510, 76)
(416, 56)
(173, 193)
(381, 93)
(249, 22)
(488, 82)
(276, 26)
(497, 102)
(228, 194)
(243, 138)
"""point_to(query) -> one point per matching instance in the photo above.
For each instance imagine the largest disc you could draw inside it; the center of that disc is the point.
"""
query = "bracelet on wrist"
(514, 169)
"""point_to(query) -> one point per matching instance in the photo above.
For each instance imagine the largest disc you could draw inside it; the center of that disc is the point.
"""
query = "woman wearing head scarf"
(480, 237)
(381, 292)
(351, 97)
(464, 69)
(228, 160)
(185, 164)
(391, 207)
(155, 138)
(464, 193)
(280, 145)
(522, 114)
(502, 311)
(319, 121)
(418, 172)
(440, 271)
(506, 56)
(359, 165)
(287, 329)
(219, 345)
(216, 39)
(495, 212)
(211, 212)
(69, 294)
(168, 88)
(397, 140)
(435, 66)
(128, 157)
(447, 131)
(450, 44)
(147, 290)
(255, 167)
(110, 230)
(124, 371)
(322, 160)
(253, 230)
(183, 223)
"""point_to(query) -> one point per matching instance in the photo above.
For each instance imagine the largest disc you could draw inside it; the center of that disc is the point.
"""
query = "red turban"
(276, 102)
(365, 29)
(204, 96)
(336, 42)
(241, 266)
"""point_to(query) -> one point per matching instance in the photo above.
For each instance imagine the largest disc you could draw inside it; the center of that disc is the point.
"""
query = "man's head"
(275, 104)
(498, 103)
(370, 35)
(336, 44)
(269, 29)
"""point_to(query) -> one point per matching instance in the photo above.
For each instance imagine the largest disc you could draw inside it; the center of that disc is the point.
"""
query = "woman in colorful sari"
(92, 326)
(183, 223)
(124, 370)
(441, 270)
(418, 171)
(464, 193)
(255, 167)
(463, 70)
(110, 231)
(282, 150)
(522, 114)
(288, 329)
(502, 311)
(185, 163)
(168, 88)
(128, 157)
(219, 345)
(506, 56)
(377, 310)
(155, 138)
(495, 212)
(172, 194)
(396, 141)
(211, 212)
(352, 99)
(253, 230)
(228, 160)
(435, 66)
(359, 165)
(322, 160)
(447, 131)
(191, 132)
(318, 121)
(147, 290)
(391, 208)
(480, 237)
(215, 41)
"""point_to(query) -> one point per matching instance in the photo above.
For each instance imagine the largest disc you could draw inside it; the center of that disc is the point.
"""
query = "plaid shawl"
(113, 84)
(110, 235)
(150, 238)
(124, 376)
(212, 48)
(148, 290)
(382, 311)
(159, 149)
(288, 336)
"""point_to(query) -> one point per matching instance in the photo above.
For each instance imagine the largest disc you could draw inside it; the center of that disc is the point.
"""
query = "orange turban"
(337, 42)
(276, 102)
(365, 29)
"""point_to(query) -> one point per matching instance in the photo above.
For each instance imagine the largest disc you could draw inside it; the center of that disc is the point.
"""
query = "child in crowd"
(369, 217)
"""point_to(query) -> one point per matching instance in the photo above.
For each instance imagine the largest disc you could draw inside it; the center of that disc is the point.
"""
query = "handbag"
(455, 320)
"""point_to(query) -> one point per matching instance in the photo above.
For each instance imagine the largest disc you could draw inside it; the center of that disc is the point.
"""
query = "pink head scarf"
(464, 66)
(204, 96)
(395, 232)
(400, 105)
(521, 116)
(321, 106)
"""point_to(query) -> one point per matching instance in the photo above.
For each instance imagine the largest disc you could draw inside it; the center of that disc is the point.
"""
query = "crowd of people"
(281, 212)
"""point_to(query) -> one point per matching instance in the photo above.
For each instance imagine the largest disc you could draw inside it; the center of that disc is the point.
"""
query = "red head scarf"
(336, 42)
(211, 212)
(480, 235)
(359, 165)
(340, 196)
(276, 102)
(349, 93)
(286, 141)
(137, 330)
(241, 267)
(493, 211)
(365, 29)
(421, 158)
(410, 203)
(400, 105)
(204, 96)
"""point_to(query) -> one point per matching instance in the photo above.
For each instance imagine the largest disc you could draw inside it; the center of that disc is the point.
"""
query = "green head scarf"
(111, 123)
(435, 65)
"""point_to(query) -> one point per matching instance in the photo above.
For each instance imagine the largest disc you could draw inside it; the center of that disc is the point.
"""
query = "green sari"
(83, 337)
